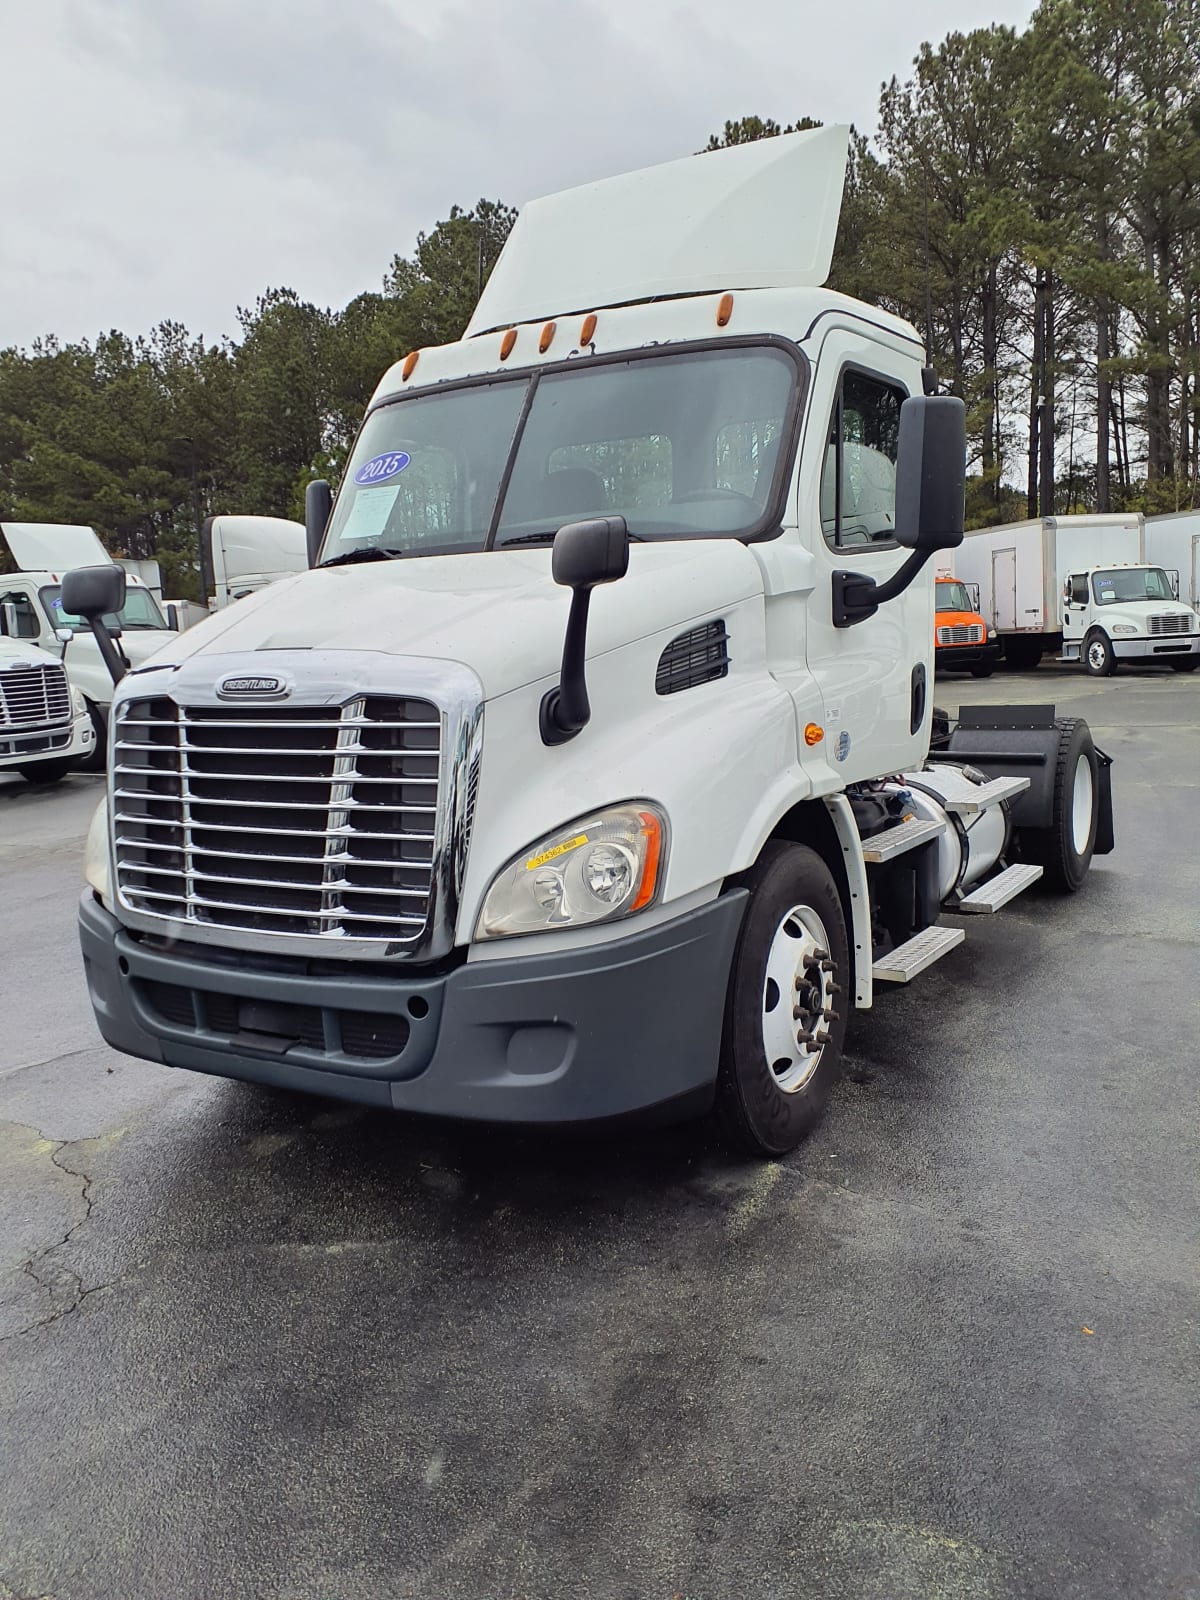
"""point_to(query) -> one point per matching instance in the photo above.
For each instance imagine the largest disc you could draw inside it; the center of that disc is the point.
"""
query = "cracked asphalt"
(255, 1345)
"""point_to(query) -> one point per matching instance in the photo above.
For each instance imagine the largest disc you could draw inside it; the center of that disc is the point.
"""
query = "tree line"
(1034, 197)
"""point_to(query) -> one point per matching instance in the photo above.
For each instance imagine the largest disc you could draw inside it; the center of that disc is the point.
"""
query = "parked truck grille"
(317, 821)
(1170, 622)
(34, 697)
(960, 633)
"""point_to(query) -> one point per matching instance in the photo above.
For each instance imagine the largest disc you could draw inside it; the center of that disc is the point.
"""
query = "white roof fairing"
(754, 216)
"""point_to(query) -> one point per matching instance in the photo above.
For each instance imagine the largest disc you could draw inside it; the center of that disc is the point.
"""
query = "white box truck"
(1173, 543)
(592, 769)
(42, 553)
(1079, 585)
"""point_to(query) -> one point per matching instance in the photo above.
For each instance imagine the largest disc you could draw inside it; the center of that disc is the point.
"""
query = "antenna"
(929, 380)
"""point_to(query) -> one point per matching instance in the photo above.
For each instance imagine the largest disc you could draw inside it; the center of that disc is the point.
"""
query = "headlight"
(78, 703)
(1123, 627)
(607, 865)
(95, 855)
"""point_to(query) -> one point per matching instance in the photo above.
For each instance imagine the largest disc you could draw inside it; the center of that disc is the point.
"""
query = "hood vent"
(699, 656)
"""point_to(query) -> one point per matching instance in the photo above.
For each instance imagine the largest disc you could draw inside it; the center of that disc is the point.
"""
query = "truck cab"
(41, 554)
(1127, 613)
(585, 771)
(961, 642)
(45, 729)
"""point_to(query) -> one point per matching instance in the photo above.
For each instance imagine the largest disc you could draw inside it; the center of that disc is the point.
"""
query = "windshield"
(953, 597)
(1131, 583)
(140, 611)
(681, 444)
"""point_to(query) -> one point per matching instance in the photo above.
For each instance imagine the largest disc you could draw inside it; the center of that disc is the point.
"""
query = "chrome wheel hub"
(798, 997)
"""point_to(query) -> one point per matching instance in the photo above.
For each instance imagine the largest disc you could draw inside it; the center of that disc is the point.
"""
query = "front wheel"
(983, 671)
(1098, 658)
(1188, 665)
(785, 1013)
(45, 772)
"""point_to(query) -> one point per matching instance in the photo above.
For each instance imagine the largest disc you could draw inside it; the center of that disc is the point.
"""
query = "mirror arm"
(113, 659)
(857, 597)
(566, 710)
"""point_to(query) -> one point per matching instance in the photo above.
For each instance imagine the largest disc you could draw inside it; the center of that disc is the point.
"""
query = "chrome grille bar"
(34, 697)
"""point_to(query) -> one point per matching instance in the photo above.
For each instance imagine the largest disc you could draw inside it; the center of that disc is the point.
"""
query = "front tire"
(96, 761)
(45, 773)
(1098, 658)
(1065, 848)
(1188, 665)
(984, 671)
(785, 1012)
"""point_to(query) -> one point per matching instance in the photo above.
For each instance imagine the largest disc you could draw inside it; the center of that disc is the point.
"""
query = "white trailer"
(1173, 543)
(1080, 585)
(592, 769)
(240, 555)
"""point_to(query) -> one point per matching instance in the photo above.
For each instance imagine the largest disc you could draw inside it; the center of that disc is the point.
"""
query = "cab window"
(858, 483)
(18, 616)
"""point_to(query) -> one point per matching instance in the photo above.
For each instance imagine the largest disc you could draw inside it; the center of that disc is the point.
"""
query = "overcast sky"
(173, 158)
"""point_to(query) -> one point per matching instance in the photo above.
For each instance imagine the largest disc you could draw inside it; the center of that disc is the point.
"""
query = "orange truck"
(960, 635)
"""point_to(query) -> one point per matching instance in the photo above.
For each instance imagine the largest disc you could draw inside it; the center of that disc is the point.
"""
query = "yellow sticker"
(559, 850)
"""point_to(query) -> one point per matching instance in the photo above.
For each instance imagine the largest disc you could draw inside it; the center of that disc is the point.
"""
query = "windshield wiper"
(548, 537)
(367, 552)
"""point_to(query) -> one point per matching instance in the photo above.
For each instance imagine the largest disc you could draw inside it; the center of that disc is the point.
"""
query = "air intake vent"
(699, 656)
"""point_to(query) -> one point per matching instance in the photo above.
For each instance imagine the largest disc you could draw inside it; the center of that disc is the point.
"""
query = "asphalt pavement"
(255, 1345)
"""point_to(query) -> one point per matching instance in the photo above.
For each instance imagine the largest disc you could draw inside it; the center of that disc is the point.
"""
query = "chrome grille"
(317, 821)
(1170, 622)
(34, 697)
(960, 633)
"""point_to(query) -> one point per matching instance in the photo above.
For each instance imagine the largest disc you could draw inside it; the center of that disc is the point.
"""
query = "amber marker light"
(410, 362)
(589, 328)
(506, 344)
(724, 310)
(813, 733)
(652, 833)
(547, 337)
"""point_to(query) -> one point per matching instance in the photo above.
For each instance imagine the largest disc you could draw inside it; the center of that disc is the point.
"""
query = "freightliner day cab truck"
(42, 553)
(1080, 585)
(588, 772)
(961, 639)
(45, 729)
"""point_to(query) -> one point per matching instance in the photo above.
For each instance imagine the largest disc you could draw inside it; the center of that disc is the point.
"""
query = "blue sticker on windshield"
(380, 468)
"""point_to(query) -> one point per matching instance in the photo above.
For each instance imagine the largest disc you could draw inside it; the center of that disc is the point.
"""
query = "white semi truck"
(42, 553)
(1079, 585)
(240, 555)
(1173, 543)
(588, 771)
(45, 729)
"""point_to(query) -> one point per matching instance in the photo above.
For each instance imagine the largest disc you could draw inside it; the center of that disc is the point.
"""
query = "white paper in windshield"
(369, 513)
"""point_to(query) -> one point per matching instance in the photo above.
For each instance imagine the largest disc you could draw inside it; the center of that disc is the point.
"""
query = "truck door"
(1004, 591)
(875, 678)
(1075, 608)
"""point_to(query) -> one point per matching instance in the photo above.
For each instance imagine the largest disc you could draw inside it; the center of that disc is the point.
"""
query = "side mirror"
(931, 473)
(95, 593)
(585, 554)
(10, 624)
(931, 477)
(64, 635)
(318, 503)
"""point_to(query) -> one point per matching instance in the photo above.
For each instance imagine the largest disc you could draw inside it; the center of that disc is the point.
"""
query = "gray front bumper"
(1161, 647)
(573, 1037)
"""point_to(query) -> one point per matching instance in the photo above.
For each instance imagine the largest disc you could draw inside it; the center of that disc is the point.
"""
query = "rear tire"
(1189, 665)
(1064, 849)
(1097, 655)
(785, 1012)
(45, 773)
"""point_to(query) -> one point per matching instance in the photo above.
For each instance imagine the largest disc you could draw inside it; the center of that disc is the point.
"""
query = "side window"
(18, 616)
(858, 481)
(1079, 591)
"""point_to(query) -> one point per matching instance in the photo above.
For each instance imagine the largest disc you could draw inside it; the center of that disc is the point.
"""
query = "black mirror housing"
(931, 470)
(592, 552)
(94, 592)
(318, 503)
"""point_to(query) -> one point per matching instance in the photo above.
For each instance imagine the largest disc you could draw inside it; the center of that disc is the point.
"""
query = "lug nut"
(832, 1016)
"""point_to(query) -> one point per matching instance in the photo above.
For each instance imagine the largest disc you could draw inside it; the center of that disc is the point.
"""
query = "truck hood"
(499, 613)
(17, 653)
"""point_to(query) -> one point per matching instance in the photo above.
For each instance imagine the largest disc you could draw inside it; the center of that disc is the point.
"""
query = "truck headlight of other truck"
(95, 855)
(606, 865)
